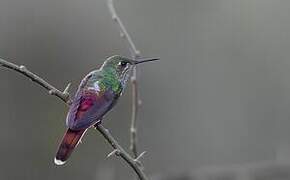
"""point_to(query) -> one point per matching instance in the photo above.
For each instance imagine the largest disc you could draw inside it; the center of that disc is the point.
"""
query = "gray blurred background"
(220, 97)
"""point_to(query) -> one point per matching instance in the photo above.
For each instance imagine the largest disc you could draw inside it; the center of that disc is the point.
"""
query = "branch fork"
(64, 95)
(135, 54)
(119, 151)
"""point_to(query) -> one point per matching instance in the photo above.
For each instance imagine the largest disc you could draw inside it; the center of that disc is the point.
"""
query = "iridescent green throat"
(110, 79)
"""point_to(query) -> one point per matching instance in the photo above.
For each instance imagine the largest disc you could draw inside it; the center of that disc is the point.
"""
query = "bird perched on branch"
(96, 95)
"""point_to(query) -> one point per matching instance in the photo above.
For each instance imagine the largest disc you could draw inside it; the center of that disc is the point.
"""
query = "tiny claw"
(98, 123)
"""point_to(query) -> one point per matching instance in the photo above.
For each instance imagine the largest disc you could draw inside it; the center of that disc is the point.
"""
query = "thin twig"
(135, 53)
(135, 164)
(51, 89)
(123, 32)
(135, 108)
(65, 97)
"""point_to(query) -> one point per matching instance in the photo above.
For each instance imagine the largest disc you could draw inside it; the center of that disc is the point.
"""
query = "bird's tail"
(69, 141)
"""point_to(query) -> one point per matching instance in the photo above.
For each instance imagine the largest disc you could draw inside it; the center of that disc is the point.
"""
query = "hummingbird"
(97, 94)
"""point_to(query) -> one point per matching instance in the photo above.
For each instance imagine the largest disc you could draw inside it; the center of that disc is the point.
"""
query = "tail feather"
(69, 141)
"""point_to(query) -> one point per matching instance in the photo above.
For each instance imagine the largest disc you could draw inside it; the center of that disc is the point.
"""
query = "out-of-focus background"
(215, 107)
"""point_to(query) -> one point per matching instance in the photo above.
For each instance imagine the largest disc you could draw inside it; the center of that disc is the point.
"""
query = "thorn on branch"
(137, 160)
(115, 152)
(114, 17)
(133, 79)
(139, 102)
(140, 156)
(133, 130)
(107, 131)
(65, 91)
(52, 92)
(22, 68)
(137, 53)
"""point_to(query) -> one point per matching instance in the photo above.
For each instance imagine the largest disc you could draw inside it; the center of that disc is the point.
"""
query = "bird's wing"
(89, 106)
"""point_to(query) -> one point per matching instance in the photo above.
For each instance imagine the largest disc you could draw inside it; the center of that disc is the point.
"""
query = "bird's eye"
(123, 63)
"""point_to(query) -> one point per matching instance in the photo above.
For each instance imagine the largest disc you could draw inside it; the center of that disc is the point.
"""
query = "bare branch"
(23, 70)
(121, 152)
(135, 53)
(123, 32)
(135, 110)
(64, 96)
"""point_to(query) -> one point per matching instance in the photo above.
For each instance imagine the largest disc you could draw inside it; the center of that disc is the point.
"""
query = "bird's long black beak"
(139, 61)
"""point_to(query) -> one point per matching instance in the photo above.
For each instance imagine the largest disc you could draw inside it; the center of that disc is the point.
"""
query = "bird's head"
(123, 65)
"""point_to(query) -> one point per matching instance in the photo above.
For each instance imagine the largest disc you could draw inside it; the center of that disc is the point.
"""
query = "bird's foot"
(99, 122)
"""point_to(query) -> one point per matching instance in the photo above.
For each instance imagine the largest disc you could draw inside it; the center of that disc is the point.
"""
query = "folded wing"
(89, 107)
